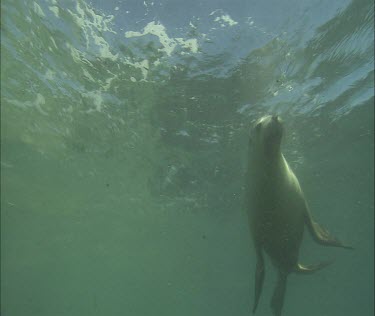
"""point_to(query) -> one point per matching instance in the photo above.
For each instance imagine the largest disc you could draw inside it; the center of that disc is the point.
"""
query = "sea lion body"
(277, 219)
(277, 210)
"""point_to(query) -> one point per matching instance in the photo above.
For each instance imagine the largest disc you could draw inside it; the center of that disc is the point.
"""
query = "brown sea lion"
(277, 210)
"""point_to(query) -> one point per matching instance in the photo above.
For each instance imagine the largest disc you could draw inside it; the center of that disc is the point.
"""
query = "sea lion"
(277, 210)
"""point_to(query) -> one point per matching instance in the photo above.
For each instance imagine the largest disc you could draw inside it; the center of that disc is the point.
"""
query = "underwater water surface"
(124, 132)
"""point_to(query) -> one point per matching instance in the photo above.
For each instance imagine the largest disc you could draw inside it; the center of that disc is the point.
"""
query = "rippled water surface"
(124, 131)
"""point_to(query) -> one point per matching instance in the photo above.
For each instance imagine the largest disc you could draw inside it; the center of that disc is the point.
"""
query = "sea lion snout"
(266, 134)
(273, 128)
(270, 120)
(277, 119)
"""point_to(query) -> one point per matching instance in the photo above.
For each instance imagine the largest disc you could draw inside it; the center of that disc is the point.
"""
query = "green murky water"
(124, 130)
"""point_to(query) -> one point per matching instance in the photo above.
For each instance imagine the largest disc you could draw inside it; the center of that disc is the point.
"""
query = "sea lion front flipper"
(321, 235)
(277, 301)
(311, 268)
(259, 277)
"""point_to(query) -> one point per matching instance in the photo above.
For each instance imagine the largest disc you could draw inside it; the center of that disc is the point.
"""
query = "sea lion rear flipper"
(277, 301)
(311, 268)
(259, 278)
(321, 235)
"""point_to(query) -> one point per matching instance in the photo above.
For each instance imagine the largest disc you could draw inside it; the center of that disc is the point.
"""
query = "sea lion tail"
(277, 301)
(311, 268)
(259, 278)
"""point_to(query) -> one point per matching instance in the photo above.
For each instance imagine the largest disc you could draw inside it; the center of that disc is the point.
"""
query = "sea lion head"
(266, 135)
